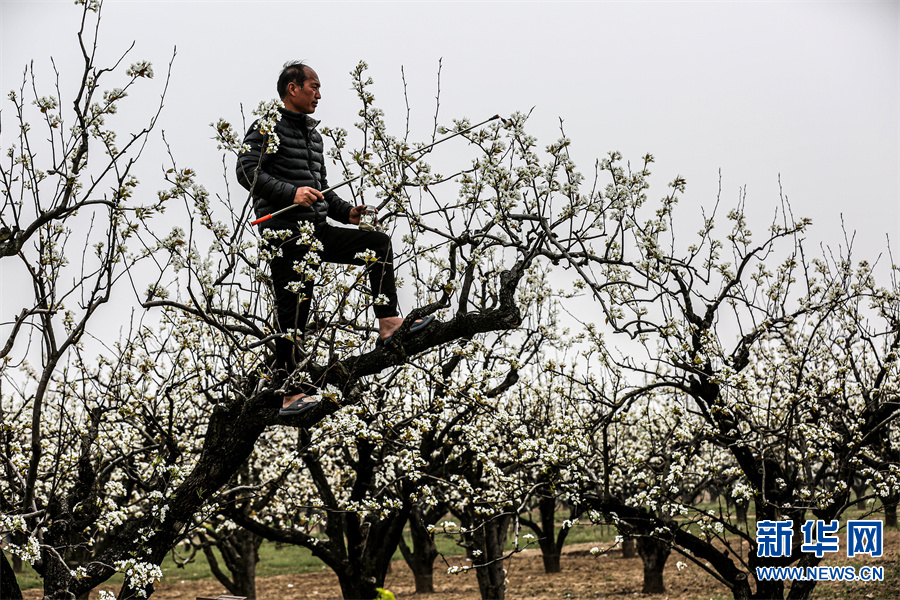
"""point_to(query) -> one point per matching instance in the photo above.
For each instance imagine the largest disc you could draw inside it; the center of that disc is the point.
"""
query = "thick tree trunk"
(771, 589)
(801, 590)
(654, 554)
(628, 550)
(860, 491)
(370, 545)
(244, 572)
(740, 510)
(9, 585)
(741, 590)
(550, 551)
(354, 586)
(359, 552)
(240, 552)
(58, 581)
(550, 542)
(551, 561)
(485, 539)
(890, 512)
(424, 582)
(367, 555)
(489, 566)
(423, 553)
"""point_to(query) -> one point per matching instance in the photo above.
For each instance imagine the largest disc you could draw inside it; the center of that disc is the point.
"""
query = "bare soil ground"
(583, 576)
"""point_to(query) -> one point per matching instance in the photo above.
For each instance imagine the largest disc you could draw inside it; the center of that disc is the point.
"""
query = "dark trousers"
(339, 245)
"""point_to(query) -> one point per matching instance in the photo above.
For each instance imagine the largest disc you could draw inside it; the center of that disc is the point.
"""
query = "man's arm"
(254, 178)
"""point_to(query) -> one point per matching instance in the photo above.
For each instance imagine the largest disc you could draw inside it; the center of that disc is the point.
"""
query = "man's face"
(304, 100)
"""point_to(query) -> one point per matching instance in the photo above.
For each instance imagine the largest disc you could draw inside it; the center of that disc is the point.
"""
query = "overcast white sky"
(807, 90)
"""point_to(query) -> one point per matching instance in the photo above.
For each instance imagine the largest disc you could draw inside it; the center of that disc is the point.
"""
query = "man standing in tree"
(295, 174)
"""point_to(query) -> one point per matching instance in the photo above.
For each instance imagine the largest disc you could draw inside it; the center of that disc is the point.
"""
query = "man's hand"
(307, 196)
(356, 212)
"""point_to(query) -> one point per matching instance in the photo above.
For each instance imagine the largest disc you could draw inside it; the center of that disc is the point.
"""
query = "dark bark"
(360, 565)
(423, 553)
(370, 548)
(740, 510)
(654, 554)
(370, 542)
(741, 588)
(550, 550)
(506, 316)
(9, 585)
(890, 512)
(550, 542)
(240, 552)
(628, 548)
(859, 488)
(801, 590)
(488, 537)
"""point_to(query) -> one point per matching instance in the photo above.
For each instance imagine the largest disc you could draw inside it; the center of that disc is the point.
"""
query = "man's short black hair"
(294, 71)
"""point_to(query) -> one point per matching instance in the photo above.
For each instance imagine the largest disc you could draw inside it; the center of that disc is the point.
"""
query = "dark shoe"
(298, 406)
(419, 325)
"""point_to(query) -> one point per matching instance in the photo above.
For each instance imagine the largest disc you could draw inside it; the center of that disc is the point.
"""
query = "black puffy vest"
(299, 162)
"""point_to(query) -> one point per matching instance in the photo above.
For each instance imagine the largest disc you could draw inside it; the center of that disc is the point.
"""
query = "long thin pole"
(382, 166)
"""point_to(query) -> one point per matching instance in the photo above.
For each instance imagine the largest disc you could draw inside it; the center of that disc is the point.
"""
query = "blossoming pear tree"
(783, 360)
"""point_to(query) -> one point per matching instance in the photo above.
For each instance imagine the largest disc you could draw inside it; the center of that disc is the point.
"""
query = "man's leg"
(293, 295)
(342, 244)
